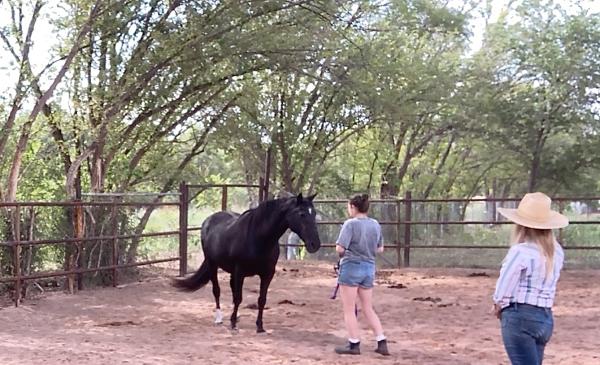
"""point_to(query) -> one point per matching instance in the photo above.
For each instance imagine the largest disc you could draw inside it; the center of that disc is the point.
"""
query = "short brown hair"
(361, 202)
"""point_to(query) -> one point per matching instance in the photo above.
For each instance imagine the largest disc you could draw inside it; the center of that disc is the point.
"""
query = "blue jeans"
(357, 273)
(526, 329)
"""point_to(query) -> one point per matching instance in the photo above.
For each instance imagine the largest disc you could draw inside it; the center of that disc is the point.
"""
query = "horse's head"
(301, 218)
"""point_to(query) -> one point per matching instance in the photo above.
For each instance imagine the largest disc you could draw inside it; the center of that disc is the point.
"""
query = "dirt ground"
(440, 317)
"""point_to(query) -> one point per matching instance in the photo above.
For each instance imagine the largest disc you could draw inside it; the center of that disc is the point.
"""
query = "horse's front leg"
(265, 281)
(236, 282)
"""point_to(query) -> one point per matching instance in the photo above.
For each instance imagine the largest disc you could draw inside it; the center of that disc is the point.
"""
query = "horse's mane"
(264, 206)
(251, 217)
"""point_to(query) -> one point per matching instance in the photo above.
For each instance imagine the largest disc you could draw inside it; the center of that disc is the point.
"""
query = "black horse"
(247, 245)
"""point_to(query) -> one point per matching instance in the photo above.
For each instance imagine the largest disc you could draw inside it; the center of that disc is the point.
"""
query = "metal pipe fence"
(402, 242)
(405, 222)
(74, 268)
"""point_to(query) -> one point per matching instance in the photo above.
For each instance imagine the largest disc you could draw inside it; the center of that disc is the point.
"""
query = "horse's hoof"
(260, 330)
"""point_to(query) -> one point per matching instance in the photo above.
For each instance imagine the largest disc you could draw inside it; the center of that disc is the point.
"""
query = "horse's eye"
(303, 215)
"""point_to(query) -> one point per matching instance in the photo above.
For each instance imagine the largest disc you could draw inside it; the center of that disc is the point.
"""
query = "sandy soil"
(441, 317)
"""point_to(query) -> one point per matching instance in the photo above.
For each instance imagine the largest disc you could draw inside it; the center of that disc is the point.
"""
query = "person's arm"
(380, 242)
(343, 241)
(294, 240)
(513, 264)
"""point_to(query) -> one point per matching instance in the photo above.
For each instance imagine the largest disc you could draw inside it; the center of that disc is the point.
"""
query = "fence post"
(267, 176)
(78, 234)
(17, 253)
(398, 244)
(561, 209)
(261, 188)
(115, 242)
(494, 202)
(183, 228)
(407, 227)
(224, 198)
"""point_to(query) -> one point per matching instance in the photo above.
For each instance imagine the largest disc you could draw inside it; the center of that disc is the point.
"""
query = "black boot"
(382, 348)
(349, 349)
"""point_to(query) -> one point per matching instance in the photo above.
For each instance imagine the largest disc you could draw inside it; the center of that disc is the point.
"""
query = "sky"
(44, 39)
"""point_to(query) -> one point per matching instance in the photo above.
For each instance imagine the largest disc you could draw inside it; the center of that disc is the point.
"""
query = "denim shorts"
(357, 273)
(526, 330)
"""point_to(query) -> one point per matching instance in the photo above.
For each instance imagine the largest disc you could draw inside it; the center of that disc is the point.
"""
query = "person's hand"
(496, 310)
(380, 249)
(340, 250)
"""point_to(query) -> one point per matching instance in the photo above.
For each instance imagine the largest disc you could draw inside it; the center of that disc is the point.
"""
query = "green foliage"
(350, 96)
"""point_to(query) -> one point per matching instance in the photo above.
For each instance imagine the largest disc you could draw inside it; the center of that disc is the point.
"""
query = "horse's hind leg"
(265, 281)
(216, 289)
(236, 282)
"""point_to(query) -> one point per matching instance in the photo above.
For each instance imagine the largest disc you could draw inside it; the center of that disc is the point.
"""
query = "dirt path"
(441, 317)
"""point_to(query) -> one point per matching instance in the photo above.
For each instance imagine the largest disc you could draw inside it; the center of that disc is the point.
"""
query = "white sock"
(218, 316)
(381, 337)
(354, 340)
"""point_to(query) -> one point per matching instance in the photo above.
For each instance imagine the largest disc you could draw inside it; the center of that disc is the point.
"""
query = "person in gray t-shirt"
(293, 247)
(361, 238)
(358, 243)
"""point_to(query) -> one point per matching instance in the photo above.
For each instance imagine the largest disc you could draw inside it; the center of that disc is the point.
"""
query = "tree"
(412, 83)
(26, 73)
(538, 91)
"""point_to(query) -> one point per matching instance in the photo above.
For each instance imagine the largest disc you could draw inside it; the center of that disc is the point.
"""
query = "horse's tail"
(196, 281)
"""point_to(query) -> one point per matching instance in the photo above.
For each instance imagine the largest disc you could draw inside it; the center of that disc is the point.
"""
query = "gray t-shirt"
(360, 237)
(293, 239)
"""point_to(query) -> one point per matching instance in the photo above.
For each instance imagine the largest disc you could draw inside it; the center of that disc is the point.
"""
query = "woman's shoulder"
(530, 248)
(558, 249)
(525, 247)
(361, 221)
(349, 222)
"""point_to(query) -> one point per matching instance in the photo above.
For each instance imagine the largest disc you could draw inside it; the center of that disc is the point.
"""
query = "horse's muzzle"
(313, 247)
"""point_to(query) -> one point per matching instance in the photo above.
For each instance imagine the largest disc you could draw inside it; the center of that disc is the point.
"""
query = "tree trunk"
(15, 170)
(535, 159)
(24, 72)
(440, 166)
(195, 151)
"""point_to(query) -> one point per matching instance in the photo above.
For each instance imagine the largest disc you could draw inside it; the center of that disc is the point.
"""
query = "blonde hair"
(544, 238)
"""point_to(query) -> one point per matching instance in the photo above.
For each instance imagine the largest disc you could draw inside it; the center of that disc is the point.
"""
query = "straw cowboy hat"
(534, 212)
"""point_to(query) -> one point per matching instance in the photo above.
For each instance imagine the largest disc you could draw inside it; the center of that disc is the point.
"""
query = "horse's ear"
(299, 199)
(312, 197)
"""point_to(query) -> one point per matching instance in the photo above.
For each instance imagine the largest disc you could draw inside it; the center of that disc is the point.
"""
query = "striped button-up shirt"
(523, 276)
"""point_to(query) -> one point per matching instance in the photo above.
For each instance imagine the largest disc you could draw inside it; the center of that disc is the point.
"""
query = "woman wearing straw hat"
(527, 284)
